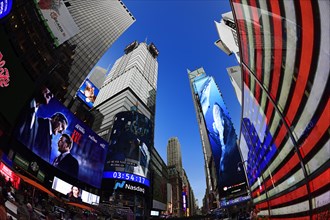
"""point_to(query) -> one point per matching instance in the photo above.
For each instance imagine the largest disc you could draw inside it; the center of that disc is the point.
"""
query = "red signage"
(9, 175)
(4, 73)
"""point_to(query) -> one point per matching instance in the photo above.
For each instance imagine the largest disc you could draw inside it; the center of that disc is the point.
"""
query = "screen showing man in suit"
(65, 161)
(87, 147)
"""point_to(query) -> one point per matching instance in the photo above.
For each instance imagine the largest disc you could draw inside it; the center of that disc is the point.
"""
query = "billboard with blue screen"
(221, 133)
(129, 147)
(88, 93)
(53, 133)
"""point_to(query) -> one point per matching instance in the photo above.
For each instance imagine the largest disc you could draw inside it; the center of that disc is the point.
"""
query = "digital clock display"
(126, 176)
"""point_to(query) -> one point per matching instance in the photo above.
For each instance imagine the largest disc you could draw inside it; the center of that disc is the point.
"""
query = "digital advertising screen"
(9, 175)
(74, 193)
(58, 19)
(221, 133)
(129, 147)
(88, 93)
(53, 133)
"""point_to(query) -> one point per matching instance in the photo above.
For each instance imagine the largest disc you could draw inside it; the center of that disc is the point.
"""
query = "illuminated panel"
(221, 133)
(85, 160)
(81, 196)
(5, 7)
(129, 147)
(296, 67)
(126, 176)
(10, 175)
(88, 93)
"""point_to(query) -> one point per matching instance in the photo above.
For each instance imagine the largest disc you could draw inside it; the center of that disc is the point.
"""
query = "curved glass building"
(284, 139)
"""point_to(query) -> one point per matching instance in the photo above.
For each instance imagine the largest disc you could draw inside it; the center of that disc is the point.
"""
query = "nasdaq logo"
(119, 185)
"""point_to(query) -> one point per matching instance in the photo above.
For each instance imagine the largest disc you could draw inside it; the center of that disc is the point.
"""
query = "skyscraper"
(235, 76)
(97, 76)
(174, 157)
(228, 42)
(100, 23)
(132, 81)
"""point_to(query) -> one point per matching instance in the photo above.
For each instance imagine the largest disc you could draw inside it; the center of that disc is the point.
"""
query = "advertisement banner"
(221, 133)
(74, 193)
(130, 142)
(88, 93)
(53, 133)
(58, 18)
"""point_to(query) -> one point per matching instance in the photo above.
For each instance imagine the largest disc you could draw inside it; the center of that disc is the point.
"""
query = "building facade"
(124, 116)
(228, 42)
(177, 200)
(159, 183)
(132, 81)
(100, 24)
(97, 76)
(174, 157)
(284, 139)
(235, 77)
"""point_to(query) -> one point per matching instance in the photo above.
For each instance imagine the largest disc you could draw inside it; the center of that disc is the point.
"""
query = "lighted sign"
(130, 142)
(66, 188)
(126, 176)
(128, 186)
(85, 160)
(225, 203)
(9, 175)
(154, 213)
(5, 8)
(221, 132)
(88, 93)
(184, 203)
(4, 73)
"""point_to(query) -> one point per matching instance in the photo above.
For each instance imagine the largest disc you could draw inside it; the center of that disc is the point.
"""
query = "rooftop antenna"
(145, 41)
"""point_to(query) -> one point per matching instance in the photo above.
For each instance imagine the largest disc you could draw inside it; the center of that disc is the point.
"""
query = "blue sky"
(184, 33)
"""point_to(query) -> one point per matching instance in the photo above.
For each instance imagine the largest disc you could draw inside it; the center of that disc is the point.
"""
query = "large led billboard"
(74, 193)
(58, 19)
(88, 93)
(129, 147)
(221, 133)
(53, 133)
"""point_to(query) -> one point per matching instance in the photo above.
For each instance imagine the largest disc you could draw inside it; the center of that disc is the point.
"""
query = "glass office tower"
(132, 81)
(100, 22)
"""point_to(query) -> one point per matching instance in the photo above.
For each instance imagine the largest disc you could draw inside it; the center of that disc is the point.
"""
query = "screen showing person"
(75, 194)
(47, 129)
(27, 126)
(54, 119)
(89, 92)
(65, 161)
(70, 191)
